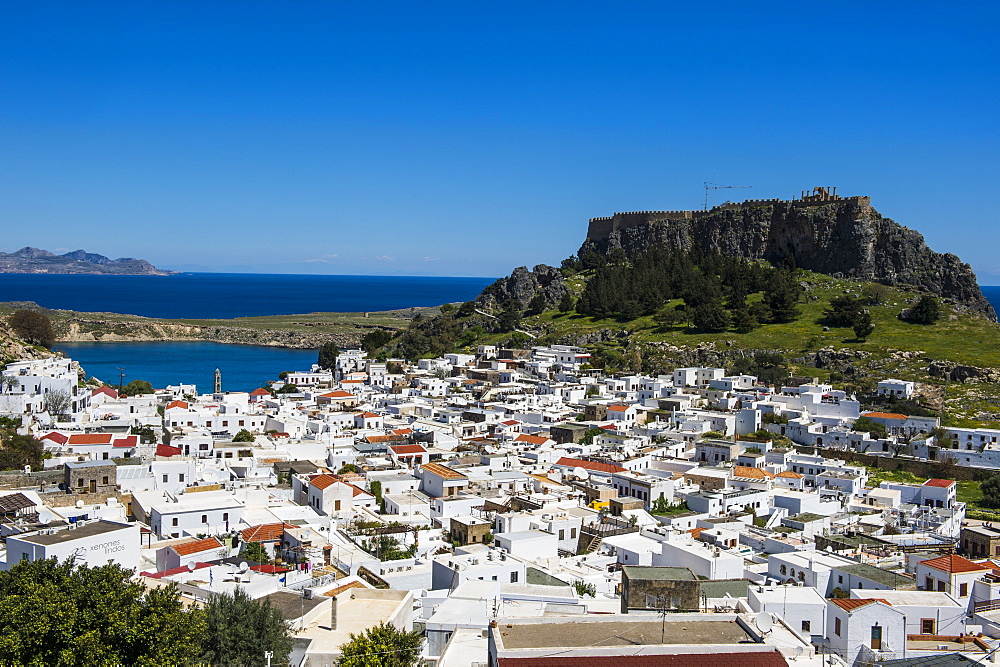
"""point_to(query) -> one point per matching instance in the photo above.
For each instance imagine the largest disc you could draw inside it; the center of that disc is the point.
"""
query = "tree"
(863, 325)
(876, 294)
(137, 388)
(19, 451)
(239, 630)
(584, 588)
(56, 613)
(349, 467)
(866, 425)
(710, 317)
(57, 402)
(327, 356)
(566, 303)
(373, 340)
(288, 389)
(844, 311)
(382, 645)
(375, 487)
(244, 435)
(781, 296)
(926, 311)
(447, 307)
(537, 304)
(466, 309)
(991, 492)
(33, 327)
(256, 552)
(510, 317)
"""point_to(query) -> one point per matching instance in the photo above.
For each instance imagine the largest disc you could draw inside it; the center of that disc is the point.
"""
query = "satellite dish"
(45, 520)
(244, 566)
(79, 504)
(208, 476)
(764, 622)
(191, 567)
(581, 473)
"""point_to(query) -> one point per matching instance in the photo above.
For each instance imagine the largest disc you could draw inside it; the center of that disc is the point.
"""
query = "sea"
(219, 295)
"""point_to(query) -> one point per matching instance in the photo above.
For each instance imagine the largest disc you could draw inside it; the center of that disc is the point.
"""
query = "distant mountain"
(36, 260)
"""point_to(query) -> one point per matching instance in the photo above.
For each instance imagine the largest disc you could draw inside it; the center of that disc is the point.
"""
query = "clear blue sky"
(468, 138)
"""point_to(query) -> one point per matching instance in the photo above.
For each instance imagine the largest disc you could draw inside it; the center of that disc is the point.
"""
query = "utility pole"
(716, 186)
(121, 377)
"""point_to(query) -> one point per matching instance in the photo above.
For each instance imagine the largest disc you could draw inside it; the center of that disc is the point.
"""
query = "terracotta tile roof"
(127, 441)
(954, 564)
(90, 439)
(384, 438)
(744, 659)
(442, 471)
(789, 474)
(338, 394)
(617, 408)
(357, 491)
(197, 546)
(177, 404)
(322, 481)
(402, 431)
(884, 415)
(370, 415)
(167, 450)
(746, 472)
(55, 437)
(346, 587)
(260, 392)
(531, 439)
(407, 449)
(942, 483)
(268, 532)
(850, 605)
(589, 465)
(510, 422)
(107, 391)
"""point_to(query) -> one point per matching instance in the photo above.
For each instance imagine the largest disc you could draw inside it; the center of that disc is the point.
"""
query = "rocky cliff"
(35, 260)
(523, 285)
(842, 237)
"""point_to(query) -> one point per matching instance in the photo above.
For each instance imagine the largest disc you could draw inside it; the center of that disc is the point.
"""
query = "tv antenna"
(716, 186)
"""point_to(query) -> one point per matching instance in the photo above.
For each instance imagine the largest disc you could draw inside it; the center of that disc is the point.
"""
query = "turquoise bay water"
(244, 367)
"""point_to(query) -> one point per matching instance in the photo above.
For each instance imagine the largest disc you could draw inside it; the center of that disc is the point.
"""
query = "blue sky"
(468, 138)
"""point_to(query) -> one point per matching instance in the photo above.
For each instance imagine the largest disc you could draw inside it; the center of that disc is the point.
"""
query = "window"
(225, 516)
(929, 584)
(180, 477)
(963, 590)
(204, 518)
(225, 423)
(166, 478)
(104, 480)
(562, 534)
(173, 522)
(783, 569)
(79, 482)
(203, 446)
(513, 577)
(927, 626)
(494, 577)
(805, 626)
(836, 626)
(572, 536)
(336, 506)
(840, 579)
(241, 422)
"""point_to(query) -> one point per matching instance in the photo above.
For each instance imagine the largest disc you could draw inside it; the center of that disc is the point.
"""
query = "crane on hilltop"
(716, 186)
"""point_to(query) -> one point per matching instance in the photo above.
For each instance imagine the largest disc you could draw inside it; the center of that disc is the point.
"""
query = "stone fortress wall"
(601, 228)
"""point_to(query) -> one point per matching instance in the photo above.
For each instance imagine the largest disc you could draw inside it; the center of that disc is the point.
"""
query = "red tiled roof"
(746, 472)
(442, 471)
(90, 439)
(107, 391)
(954, 564)
(850, 605)
(744, 659)
(942, 483)
(510, 422)
(177, 404)
(55, 437)
(322, 481)
(789, 474)
(402, 431)
(370, 415)
(260, 392)
(127, 441)
(268, 532)
(197, 546)
(884, 415)
(617, 408)
(407, 449)
(167, 450)
(589, 465)
(531, 439)
(385, 438)
(357, 491)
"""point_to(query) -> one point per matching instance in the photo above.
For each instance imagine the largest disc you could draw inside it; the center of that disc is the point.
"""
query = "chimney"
(333, 613)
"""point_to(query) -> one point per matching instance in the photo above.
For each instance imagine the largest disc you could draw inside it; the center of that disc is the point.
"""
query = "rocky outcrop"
(523, 285)
(35, 260)
(961, 372)
(844, 237)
